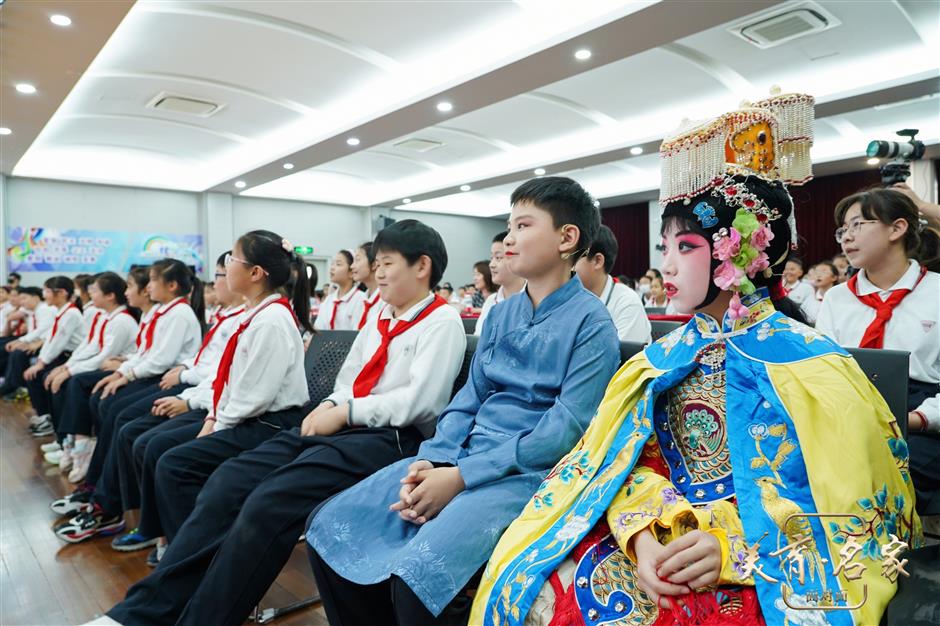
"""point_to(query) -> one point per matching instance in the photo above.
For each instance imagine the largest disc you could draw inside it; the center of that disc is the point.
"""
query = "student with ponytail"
(57, 347)
(259, 387)
(117, 341)
(893, 302)
(363, 272)
(342, 308)
(117, 489)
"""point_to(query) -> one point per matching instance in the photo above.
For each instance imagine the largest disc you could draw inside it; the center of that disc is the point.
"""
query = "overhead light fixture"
(5, 131)
(25, 88)
(636, 150)
(406, 201)
(288, 166)
(465, 188)
(583, 54)
(873, 161)
(240, 184)
(353, 141)
(444, 106)
(539, 171)
(60, 20)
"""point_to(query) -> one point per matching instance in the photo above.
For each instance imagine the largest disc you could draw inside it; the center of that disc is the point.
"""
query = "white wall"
(467, 240)
(221, 218)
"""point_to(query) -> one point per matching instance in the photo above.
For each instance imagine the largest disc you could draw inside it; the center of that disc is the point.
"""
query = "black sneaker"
(72, 503)
(90, 522)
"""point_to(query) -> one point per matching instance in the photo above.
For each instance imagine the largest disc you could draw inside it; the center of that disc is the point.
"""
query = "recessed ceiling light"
(465, 188)
(597, 203)
(635, 150)
(5, 131)
(583, 54)
(25, 88)
(539, 171)
(444, 106)
(353, 141)
(873, 161)
(240, 184)
(288, 166)
(406, 201)
(60, 20)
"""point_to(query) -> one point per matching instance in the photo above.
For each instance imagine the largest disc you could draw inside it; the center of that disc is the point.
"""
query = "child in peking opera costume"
(706, 490)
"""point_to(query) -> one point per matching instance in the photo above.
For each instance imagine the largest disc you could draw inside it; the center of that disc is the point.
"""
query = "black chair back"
(660, 328)
(655, 310)
(469, 324)
(324, 358)
(628, 349)
(888, 372)
(464, 372)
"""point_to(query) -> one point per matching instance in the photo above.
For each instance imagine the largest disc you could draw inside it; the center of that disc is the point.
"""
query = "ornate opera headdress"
(730, 173)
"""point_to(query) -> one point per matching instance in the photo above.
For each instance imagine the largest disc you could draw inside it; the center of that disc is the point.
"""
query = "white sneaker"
(53, 457)
(36, 420)
(50, 447)
(65, 461)
(81, 459)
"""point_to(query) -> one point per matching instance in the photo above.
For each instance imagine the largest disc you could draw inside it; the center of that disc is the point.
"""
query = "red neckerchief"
(372, 370)
(874, 336)
(219, 318)
(228, 355)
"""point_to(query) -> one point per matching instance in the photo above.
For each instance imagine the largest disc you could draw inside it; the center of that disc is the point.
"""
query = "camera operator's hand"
(928, 209)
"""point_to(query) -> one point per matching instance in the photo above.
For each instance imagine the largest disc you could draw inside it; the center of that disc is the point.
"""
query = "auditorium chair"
(661, 328)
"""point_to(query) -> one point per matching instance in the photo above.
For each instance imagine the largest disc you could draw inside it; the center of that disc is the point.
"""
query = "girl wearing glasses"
(893, 302)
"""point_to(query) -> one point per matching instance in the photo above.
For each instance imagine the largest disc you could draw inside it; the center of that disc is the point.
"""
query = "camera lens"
(879, 149)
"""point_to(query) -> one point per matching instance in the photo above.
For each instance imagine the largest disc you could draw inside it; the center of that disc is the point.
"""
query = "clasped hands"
(426, 490)
(685, 565)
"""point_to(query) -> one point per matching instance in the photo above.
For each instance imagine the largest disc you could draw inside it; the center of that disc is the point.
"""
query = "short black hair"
(32, 291)
(413, 239)
(498, 237)
(16, 275)
(566, 201)
(605, 243)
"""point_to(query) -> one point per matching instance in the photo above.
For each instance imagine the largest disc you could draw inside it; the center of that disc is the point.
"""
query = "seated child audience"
(483, 286)
(34, 322)
(363, 272)
(509, 284)
(342, 307)
(893, 302)
(706, 455)
(543, 361)
(624, 305)
(393, 384)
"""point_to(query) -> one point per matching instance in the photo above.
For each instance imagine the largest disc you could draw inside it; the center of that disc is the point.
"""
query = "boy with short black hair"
(623, 303)
(540, 369)
(393, 384)
(509, 284)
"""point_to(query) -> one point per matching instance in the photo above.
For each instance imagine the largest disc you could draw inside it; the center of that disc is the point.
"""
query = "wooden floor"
(44, 581)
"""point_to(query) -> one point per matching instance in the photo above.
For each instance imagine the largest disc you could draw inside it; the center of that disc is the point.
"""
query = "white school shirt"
(38, 322)
(68, 335)
(627, 311)
(195, 373)
(800, 292)
(119, 335)
(210, 314)
(267, 372)
(415, 385)
(348, 314)
(88, 318)
(177, 336)
(914, 326)
(5, 310)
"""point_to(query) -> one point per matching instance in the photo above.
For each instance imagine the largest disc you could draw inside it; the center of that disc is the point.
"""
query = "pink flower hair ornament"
(741, 252)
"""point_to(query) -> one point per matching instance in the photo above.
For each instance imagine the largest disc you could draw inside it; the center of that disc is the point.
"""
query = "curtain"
(630, 223)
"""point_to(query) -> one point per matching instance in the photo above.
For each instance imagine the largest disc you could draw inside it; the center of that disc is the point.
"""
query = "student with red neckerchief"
(35, 319)
(363, 272)
(342, 307)
(893, 302)
(394, 382)
(57, 345)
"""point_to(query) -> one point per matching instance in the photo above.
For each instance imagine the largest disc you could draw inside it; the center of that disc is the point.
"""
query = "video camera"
(898, 169)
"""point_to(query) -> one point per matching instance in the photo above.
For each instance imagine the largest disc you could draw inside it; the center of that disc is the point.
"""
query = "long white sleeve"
(177, 336)
(68, 336)
(119, 336)
(45, 316)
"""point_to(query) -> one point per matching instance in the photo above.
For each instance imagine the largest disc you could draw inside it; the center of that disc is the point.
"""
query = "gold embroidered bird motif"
(794, 529)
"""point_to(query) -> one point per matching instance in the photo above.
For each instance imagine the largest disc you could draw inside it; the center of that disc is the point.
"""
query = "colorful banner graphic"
(36, 249)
